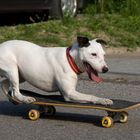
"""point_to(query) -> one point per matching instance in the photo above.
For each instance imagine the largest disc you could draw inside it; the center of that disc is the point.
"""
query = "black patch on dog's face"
(83, 41)
(101, 41)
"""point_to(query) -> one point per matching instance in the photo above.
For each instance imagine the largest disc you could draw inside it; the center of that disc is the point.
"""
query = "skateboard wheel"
(50, 111)
(123, 117)
(107, 122)
(33, 114)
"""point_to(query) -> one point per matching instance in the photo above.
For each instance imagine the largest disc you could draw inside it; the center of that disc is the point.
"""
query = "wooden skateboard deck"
(116, 112)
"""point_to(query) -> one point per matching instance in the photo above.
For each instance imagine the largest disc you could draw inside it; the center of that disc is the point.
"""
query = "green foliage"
(116, 21)
(124, 7)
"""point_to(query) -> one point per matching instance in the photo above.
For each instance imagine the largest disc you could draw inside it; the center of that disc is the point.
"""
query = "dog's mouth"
(92, 73)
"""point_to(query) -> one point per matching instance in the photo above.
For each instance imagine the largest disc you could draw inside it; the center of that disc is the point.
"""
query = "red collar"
(71, 62)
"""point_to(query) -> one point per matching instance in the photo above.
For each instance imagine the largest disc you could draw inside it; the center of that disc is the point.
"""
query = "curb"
(123, 51)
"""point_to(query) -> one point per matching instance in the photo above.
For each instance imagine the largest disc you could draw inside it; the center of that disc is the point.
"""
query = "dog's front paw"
(104, 101)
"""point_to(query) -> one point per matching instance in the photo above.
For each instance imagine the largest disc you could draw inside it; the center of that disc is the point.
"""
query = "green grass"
(124, 7)
(118, 30)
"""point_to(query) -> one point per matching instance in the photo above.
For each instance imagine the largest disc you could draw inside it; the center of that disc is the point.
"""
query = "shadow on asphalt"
(9, 109)
(74, 117)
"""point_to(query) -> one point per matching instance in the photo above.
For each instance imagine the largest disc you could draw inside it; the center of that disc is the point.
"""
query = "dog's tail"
(5, 85)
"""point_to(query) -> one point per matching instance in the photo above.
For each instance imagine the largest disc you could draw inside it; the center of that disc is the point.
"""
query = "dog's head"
(92, 55)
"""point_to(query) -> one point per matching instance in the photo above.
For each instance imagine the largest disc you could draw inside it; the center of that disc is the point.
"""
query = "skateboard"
(118, 112)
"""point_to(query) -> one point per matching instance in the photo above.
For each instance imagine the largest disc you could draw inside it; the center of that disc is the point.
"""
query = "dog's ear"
(83, 41)
(101, 41)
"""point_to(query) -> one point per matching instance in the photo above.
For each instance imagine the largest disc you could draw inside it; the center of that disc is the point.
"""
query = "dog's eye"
(94, 54)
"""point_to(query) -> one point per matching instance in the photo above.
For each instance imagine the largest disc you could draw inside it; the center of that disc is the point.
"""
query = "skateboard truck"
(34, 114)
(108, 121)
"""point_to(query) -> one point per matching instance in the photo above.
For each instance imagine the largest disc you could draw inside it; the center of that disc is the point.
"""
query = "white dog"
(52, 69)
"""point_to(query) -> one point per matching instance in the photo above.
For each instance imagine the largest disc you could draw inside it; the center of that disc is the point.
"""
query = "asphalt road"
(79, 124)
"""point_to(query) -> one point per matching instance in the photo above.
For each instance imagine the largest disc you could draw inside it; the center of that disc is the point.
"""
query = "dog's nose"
(105, 69)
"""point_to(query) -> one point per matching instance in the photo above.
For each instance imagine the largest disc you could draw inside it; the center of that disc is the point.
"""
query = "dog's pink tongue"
(95, 78)
(93, 75)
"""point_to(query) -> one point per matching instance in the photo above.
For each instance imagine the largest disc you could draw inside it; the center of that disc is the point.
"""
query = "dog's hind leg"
(12, 82)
